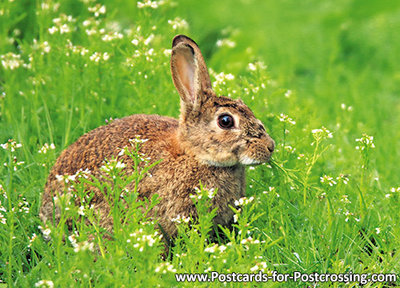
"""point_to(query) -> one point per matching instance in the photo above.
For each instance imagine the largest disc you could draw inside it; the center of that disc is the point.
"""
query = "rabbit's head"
(219, 131)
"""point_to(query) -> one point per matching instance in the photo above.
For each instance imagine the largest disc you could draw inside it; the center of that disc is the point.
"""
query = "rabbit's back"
(105, 142)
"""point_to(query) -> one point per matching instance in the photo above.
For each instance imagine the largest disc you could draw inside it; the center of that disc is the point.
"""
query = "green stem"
(10, 220)
(308, 172)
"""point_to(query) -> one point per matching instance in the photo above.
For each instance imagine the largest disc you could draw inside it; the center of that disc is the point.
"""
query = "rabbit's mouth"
(246, 160)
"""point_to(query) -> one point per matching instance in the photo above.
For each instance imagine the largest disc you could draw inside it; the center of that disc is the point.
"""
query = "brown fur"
(192, 149)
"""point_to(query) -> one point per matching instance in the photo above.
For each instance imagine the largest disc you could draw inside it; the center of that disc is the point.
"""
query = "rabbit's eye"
(225, 121)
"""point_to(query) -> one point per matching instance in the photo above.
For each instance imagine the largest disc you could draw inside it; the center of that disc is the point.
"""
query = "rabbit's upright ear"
(189, 73)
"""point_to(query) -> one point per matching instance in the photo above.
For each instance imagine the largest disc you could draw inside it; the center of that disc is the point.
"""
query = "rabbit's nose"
(271, 145)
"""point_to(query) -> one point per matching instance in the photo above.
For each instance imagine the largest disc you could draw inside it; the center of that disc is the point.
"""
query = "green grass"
(320, 206)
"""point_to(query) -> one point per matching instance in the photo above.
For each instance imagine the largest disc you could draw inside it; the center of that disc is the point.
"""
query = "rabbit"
(212, 142)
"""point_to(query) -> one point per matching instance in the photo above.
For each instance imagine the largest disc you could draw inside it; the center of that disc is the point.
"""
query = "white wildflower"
(53, 29)
(286, 119)
(288, 93)
(211, 249)
(46, 147)
(254, 268)
(11, 145)
(46, 232)
(180, 219)
(322, 133)
(165, 267)
(328, 180)
(244, 201)
(81, 210)
(11, 61)
(258, 65)
(366, 142)
(98, 10)
(148, 40)
(3, 219)
(178, 23)
(149, 3)
(345, 199)
(44, 283)
(226, 43)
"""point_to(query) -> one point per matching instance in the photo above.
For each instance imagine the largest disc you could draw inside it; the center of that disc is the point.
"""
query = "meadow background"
(323, 76)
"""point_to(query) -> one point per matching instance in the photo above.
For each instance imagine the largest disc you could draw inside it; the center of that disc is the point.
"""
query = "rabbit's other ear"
(189, 73)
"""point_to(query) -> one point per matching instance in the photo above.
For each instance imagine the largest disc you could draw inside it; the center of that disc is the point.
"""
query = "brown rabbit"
(213, 140)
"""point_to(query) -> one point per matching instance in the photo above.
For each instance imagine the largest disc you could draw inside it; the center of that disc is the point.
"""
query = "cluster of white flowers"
(250, 240)
(46, 148)
(11, 146)
(80, 246)
(50, 5)
(76, 49)
(145, 40)
(138, 140)
(66, 178)
(236, 215)
(178, 23)
(112, 36)
(149, 3)
(148, 54)
(261, 266)
(321, 133)
(11, 61)
(244, 201)
(32, 239)
(226, 43)
(143, 239)
(98, 56)
(61, 24)
(288, 93)
(343, 179)
(98, 10)
(221, 78)
(44, 283)
(289, 149)
(45, 232)
(209, 193)
(366, 142)
(393, 190)
(345, 199)
(349, 215)
(255, 66)
(215, 248)
(270, 189)
(23, 206)
(15, 163)
(329, 180)
(180, 219)
(3, 219)
(165, 267)
(44, 47)
(112, 165)
(286, 119)
(345, 107)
